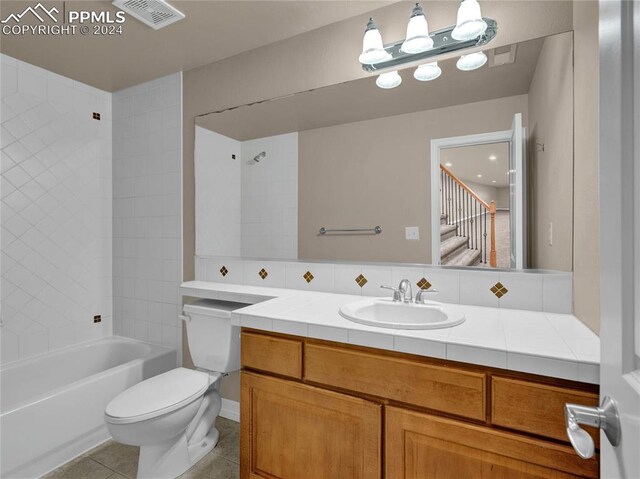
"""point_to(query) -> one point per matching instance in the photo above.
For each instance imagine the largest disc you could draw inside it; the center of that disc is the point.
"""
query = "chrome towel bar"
(375, 230)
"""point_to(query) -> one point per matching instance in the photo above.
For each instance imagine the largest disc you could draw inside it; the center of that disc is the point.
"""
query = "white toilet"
(172, 416)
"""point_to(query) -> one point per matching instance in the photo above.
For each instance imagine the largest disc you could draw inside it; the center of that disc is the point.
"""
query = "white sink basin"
(386, 313)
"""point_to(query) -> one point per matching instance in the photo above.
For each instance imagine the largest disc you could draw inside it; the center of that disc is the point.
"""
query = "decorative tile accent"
(263, 273)
(499, 290)
(224, 271)
(468, 287)
(361, 280)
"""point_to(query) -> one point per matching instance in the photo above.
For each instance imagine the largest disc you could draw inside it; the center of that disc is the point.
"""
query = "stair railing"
(465, 209)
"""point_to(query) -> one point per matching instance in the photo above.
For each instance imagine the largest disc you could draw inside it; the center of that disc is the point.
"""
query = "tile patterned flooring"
(117, 461)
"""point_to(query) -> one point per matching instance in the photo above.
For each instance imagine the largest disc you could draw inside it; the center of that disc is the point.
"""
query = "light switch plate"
(412, 233)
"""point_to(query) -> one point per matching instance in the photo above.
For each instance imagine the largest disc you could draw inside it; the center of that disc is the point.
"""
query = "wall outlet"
(97, 318)
(412, 233)
(550, 234)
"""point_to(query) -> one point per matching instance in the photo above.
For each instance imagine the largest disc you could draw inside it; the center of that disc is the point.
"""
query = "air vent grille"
(504, 55)
(155, 13)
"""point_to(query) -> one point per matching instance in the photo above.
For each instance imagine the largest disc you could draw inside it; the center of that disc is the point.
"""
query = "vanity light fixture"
(470, 62)
(427, 72)
(418, 39)
(470, 23)
(420, 46)
(372, 47)
(389, 80)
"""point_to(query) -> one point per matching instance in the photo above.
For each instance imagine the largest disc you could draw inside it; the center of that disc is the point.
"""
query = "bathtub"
(52, 406)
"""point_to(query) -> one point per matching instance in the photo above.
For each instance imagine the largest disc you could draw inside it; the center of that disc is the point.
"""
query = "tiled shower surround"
(56, 211)
(147, 211)
(550, 292)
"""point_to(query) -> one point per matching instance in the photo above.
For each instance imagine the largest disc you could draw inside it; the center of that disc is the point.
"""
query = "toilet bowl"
(172, 416)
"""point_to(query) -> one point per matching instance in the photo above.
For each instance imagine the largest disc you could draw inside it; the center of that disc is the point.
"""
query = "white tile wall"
(246, 208)
(147, 210)
(218, 194)
(524, 290)
(270, 197)
(56, 211)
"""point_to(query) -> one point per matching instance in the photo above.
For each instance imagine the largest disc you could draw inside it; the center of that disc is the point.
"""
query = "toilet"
(172, 416)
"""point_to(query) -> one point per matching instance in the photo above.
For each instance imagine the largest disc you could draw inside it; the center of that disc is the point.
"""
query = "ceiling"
(211, 31)
(467, 162)
(360, 100)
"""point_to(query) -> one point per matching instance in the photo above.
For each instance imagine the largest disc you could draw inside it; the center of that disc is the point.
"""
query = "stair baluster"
(464, 209)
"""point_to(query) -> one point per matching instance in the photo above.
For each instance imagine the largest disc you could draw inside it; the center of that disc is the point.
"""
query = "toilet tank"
(213, 342)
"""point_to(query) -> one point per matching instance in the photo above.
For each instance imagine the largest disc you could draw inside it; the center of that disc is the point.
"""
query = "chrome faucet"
(402, 292)
(405, 289)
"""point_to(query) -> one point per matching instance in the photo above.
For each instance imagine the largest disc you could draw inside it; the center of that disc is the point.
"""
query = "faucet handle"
(422, 292)
(396, 292)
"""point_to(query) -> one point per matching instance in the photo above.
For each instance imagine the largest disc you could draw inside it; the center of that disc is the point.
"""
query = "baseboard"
(230, 410)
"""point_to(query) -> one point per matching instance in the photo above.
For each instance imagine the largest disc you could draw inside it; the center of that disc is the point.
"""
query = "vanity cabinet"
(319, 409)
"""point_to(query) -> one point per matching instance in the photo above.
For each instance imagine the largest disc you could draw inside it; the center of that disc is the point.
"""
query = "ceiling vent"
(502, 55)
(155, 13)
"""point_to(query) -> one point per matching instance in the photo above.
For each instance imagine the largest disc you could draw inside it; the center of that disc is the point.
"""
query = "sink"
(386, 313)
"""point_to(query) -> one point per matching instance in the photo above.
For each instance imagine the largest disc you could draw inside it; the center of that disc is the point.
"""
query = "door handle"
(604, 417)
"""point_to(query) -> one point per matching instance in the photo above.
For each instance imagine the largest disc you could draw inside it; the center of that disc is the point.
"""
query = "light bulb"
(472, 61)
(417, 39)
(389, 80)
(470, 24)
(427, 72)
(372, 47)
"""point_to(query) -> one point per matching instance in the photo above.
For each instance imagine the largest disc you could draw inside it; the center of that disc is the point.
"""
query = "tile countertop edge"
(262, 312)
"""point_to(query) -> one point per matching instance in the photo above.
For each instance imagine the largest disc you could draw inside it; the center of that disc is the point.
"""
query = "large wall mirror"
(471, 169)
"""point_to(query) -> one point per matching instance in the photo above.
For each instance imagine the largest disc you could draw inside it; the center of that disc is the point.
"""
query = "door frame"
(453, 142)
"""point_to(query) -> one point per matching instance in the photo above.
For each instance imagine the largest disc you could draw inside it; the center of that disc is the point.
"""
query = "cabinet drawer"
(449, 390)
(271, 354)
(535, 408)
(422, 446)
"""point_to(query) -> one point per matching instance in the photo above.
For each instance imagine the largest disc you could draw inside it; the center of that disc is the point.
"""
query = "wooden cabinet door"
(291, 430)
(421, 446)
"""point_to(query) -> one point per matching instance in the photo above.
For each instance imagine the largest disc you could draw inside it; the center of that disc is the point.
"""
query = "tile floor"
(117, 461)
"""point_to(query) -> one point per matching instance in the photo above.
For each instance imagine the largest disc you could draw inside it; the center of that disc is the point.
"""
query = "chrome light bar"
(442, 43)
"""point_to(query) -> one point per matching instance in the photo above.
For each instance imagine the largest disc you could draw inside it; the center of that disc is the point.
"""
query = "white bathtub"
(52, 406)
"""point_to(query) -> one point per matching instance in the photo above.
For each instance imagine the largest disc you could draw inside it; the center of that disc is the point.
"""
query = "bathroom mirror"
(472, 169)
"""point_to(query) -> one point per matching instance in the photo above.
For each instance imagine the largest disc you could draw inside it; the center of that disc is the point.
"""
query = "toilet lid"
(157, 395)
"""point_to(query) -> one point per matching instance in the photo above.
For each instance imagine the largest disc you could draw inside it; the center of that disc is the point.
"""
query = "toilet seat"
(156, 396)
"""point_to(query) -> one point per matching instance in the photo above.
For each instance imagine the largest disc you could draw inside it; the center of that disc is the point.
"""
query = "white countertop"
(550, 344)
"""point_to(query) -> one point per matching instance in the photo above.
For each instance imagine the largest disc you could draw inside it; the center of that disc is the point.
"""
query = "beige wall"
(323, 57)
(377, 172)
(586, 254)
(550, 172)
(504, 199)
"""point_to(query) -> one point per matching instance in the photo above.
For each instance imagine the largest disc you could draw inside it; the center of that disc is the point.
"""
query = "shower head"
(259, 156)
